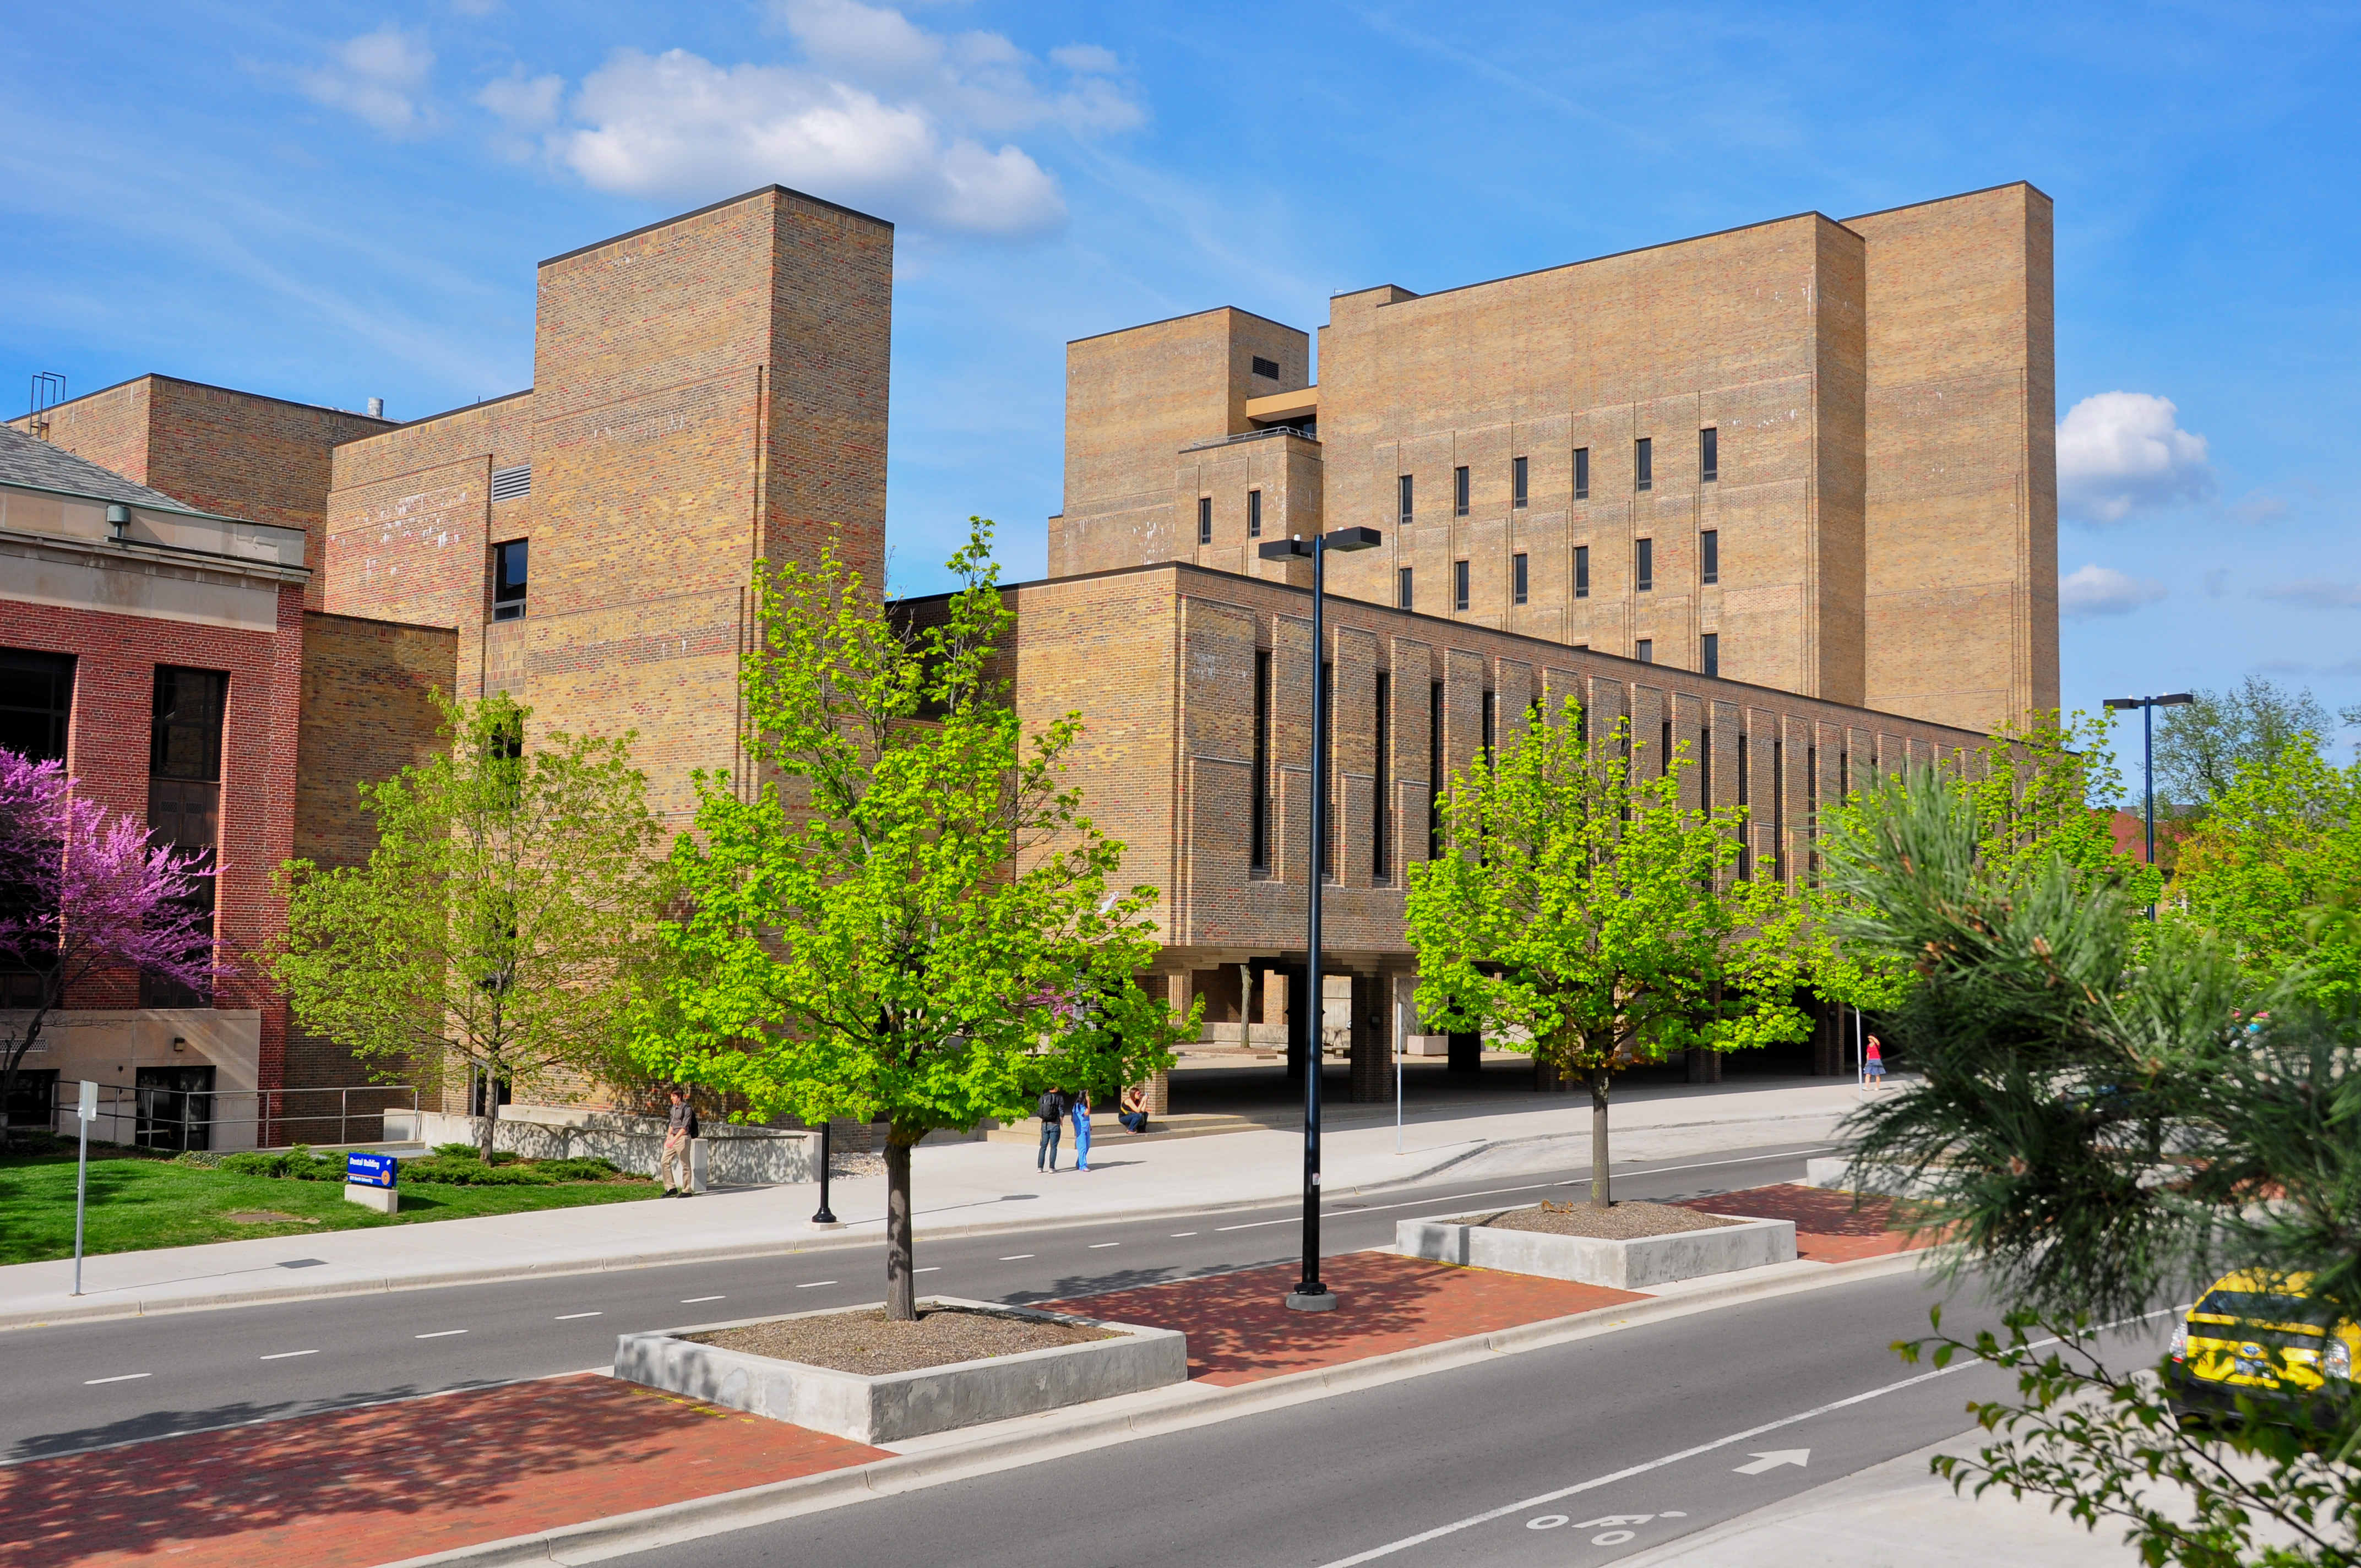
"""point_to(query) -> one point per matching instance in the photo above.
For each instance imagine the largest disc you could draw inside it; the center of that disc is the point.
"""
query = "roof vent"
(118, 520)
(511, 484)
(377, 408)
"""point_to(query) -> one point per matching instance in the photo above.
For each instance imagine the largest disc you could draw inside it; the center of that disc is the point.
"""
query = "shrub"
(472, 1172)
(297, 1164)
(455, 1151)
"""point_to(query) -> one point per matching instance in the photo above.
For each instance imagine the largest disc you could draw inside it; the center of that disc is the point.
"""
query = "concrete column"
(1467, 1053)
(1302, 1023)
(1373, 1033)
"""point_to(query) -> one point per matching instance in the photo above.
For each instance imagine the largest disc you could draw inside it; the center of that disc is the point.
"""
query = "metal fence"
(147, 1116)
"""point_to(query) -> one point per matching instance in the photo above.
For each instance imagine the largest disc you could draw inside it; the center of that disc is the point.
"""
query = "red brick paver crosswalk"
(1240, 1329)
(393, 1481)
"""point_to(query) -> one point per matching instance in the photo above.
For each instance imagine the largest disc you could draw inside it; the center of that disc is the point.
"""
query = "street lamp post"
(1309, 1295)
(2147, 706)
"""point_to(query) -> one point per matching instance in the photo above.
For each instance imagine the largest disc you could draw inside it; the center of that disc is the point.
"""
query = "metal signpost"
(2147, 706)
(1309, 1295)
(825, 1218)
(87, 1112)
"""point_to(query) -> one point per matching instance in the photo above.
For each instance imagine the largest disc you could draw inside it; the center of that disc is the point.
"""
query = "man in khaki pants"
(679, 1132)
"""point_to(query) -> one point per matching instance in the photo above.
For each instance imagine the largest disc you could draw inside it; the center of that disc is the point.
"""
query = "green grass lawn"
(140, 1201)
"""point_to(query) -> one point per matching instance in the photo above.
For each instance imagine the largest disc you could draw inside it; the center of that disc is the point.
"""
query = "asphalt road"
(1578, 1455)
(77, 1386)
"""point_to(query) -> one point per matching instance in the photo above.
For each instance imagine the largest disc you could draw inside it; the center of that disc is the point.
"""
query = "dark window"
(1582, 473)
(1459, 492)
(1407, 509)
(1844, 775)
(1665, 750)
(1519, 562)
(1402, 595)
(1204, 520)
(1258, 786)
(1709, 555)
(1709, 647)
(1643, 564)
(185, 740)
(1644, 651)
(1459, 585)
(1708, 456)
(1516, 481)
(1779, 808)
(509, 579)
(1582, 571)
(33, 1098)
(1381, 849)
(1491, 711)
(1705, 769)
(1644, 463)
(1266, 368)
(1254, 514)
(1328, 773)
(1434, 770)
(36, 703)
(1746, 829)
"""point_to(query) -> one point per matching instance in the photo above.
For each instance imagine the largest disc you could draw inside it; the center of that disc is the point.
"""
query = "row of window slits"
(1643, 474)
(1643, 565)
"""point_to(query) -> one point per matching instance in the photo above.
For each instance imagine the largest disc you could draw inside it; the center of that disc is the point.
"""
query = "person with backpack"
(1052, 1111)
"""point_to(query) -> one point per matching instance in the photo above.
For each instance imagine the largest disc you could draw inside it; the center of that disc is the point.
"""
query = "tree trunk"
(1599, 1077)
(491, 1117)
(901, 1284)
(9, 1078)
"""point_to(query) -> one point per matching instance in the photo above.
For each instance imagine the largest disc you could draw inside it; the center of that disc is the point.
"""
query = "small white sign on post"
(87, 1110)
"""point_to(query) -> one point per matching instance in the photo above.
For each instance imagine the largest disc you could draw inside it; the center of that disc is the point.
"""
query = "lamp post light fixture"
(826, 1219)
(1309, 1295)
(2147, 706)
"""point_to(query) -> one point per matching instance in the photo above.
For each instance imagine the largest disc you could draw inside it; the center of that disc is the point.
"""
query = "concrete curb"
(698, 1517)
(497, 1273)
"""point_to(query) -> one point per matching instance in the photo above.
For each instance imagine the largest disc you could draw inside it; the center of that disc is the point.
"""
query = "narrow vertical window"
(1459, 492)
(1705, 769)
(1709, 555)
(1746, 826)
(1643, 564)
(1644, 651)
(1644, 463)
(184, 769)
(1402, 589)
(1811, 811)
(1381, 806)
(1516, 481)
(1459, 585)
(1328, 773)
(1254, 514)
(1582, 571)
(1522, 581)
(1434, 770)
(1844, 775)
(1582, 473)
(1491, 719)
(1258, 785)
(1404, 486)
(1204, 520)
(1779, 808)
(1708, 456)
(1709, 647)
(509, 579)
(1664, 748)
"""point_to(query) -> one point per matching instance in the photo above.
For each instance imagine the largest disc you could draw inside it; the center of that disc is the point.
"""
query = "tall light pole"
(2147, 706)
(1309, 1295)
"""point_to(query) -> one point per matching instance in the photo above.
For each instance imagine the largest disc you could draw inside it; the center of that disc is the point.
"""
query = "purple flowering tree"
(82, 892)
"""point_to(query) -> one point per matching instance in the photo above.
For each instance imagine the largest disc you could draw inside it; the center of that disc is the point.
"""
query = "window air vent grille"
(510, 484)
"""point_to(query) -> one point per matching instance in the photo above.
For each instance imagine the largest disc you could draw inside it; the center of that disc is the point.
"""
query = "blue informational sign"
(371, 1169)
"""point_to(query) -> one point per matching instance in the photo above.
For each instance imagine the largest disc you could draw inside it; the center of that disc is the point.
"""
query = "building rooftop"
(28, 460)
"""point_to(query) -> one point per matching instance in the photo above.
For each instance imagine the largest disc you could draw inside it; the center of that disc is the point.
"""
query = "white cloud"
(2316, 593)
(882, 114)
(679, 128)
(525, 105)
(2120, 452)
(2103, 590)
(381, 77)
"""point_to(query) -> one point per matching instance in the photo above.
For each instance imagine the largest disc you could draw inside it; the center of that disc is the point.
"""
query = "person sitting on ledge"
(1133, 1103)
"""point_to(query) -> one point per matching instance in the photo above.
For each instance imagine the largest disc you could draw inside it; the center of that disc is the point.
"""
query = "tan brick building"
(1809, 455)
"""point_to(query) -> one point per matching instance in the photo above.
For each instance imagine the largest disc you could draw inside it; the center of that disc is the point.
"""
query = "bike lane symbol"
(1615, 1530)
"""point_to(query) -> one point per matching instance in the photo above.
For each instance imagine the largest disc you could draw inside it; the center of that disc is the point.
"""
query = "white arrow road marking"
(1797, 1457)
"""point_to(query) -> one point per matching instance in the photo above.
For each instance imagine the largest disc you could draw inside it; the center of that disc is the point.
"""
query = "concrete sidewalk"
(958, 1188)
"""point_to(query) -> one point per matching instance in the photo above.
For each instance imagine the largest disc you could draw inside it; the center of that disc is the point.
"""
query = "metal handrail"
(142, 1105)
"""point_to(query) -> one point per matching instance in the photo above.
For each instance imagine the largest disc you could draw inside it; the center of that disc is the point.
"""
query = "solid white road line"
(569, 1316)
(1283, 1219)
(286, 1354)
(444, 1333)
(811, 1284)
(692, 1300)
(120, 1377)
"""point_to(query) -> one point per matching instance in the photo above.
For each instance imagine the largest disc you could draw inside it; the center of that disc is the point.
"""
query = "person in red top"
(1873, 1064)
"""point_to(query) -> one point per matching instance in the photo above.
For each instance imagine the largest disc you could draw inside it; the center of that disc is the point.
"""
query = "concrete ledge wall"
(734, 1155)
(1591, 1260)
(907, 1404)
(1838, 1174)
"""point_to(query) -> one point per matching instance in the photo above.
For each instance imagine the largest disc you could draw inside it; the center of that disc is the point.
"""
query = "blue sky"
(332, 201)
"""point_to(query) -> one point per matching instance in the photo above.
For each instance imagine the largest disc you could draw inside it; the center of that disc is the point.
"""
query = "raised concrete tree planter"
(732, 1156)
(1886, 1181)
(907, 1404)
(1590, 1260)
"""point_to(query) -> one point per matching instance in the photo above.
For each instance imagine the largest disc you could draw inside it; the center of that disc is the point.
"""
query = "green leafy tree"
(2095, 1132)
(2273, 869)
(921, 928)
(502, 922)
(1589, 913)
(2046, 789)
(2201, 747)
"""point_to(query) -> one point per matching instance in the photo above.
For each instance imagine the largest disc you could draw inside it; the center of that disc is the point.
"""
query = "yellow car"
(2259, 1337)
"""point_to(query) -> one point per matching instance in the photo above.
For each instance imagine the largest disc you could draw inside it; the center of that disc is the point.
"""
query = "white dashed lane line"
(289, 1355)
(1178, 1235)
(930, 1269)
(569, 1316)
(118, 1377)
(814, 1284)
(444, 1333)
(1096, 1246)
(692, 1300)
(1016, 1258)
